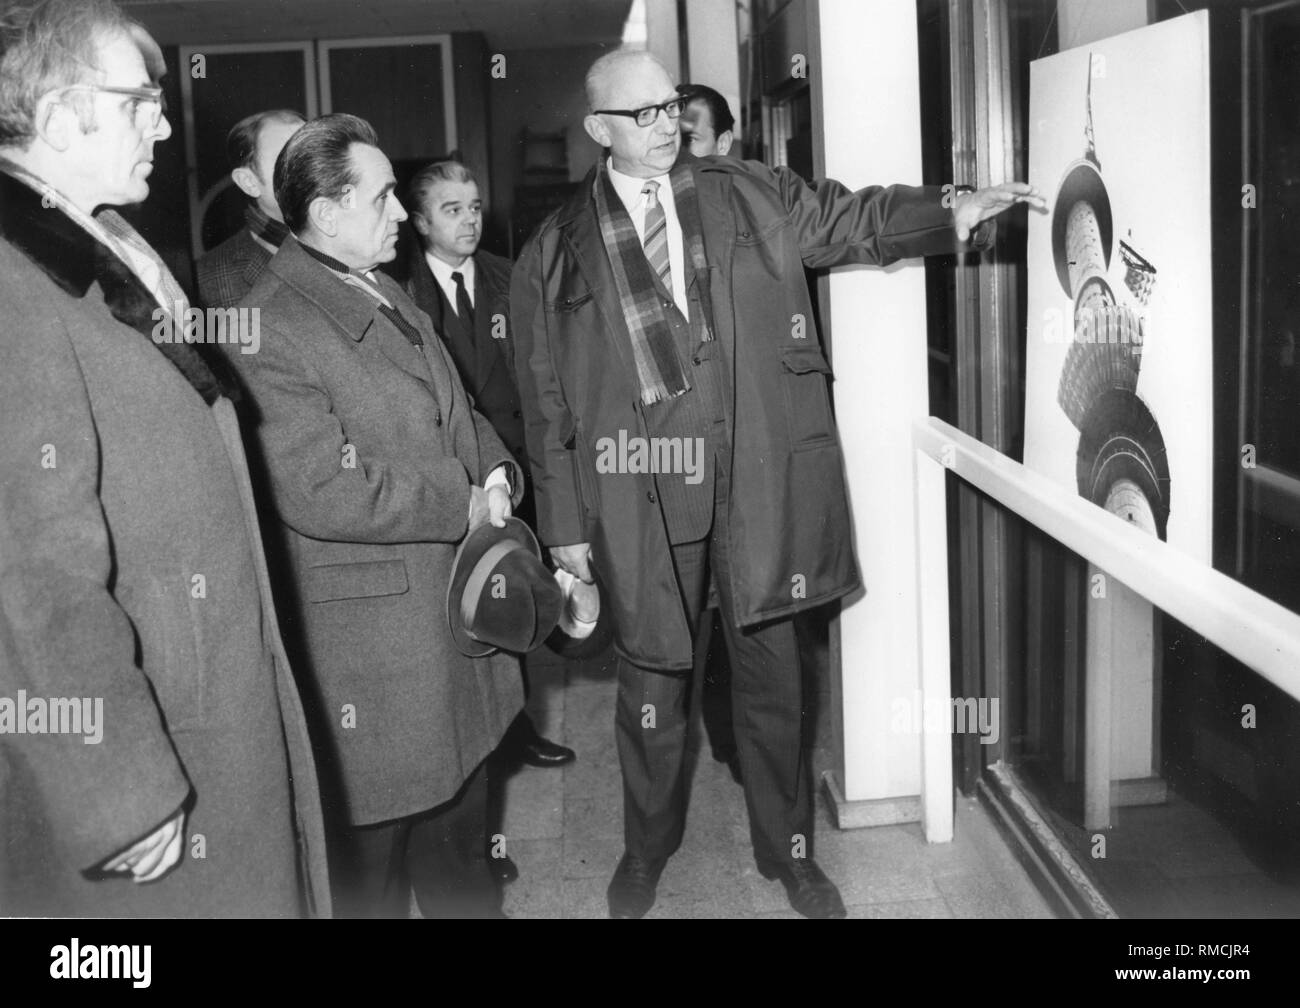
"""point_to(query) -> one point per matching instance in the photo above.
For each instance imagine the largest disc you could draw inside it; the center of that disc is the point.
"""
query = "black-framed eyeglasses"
(648, 115)
(143, 97)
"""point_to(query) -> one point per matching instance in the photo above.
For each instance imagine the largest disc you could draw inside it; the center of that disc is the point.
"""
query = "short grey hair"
(443, 170)
(51, 44)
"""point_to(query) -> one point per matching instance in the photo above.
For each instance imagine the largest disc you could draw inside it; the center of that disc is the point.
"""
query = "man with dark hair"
(378, 467)
(228, 272)
(134, 597)
(655, 307)
(466, 292)
(707, 122)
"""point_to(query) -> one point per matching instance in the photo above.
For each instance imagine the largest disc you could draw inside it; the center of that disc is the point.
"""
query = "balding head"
(603, 75)
(621, 82)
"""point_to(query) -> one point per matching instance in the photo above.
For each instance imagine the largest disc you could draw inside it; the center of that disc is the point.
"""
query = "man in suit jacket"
(228, 272)
(466, 293)
(662, 305)
(378, 467)
(133, 591)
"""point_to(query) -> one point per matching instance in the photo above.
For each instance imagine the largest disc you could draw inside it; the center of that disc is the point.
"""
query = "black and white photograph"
(666, 459)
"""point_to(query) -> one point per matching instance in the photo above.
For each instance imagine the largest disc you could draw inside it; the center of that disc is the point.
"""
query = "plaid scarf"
(273, 232)
(658, 365)
(166, 290)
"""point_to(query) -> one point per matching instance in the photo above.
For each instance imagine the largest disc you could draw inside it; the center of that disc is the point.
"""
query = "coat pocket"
(368, 579)
(570, 301)
(804, 380)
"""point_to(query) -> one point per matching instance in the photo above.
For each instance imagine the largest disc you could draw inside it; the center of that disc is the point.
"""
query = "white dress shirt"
(442, 273)
(629, 191)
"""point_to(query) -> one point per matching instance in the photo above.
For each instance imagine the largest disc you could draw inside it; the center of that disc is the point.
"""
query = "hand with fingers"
(575, 559)
(970, 209)
(155, 855)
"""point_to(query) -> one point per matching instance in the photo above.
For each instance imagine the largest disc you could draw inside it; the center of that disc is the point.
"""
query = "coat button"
(744, 234)
(695, 361)
(650, 496)
(518, 414)
(437, 418)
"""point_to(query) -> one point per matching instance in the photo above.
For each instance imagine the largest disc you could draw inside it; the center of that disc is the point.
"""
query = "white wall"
(713, 49)
(869, 94)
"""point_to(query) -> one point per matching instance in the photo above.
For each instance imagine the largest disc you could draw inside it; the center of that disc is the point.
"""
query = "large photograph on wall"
(1118, 357)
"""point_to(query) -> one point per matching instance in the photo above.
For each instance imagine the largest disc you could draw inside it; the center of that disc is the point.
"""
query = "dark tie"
(411, 333)
(463, 308)
(656, 234)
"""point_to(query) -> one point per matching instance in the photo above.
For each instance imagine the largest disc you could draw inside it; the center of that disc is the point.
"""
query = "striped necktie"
(655, 242)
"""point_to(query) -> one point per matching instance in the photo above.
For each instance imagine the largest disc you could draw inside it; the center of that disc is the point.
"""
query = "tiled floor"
(564, 830)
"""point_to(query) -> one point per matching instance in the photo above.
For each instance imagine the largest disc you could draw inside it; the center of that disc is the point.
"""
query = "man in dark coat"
(228, 272)
(679, 431)
(134, 598)
(466, 293)
(378, 467)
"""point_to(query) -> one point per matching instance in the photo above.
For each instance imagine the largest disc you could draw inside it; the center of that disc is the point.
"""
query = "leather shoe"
(632, 889)
(811, 893)
(540, 752)
(503, 869)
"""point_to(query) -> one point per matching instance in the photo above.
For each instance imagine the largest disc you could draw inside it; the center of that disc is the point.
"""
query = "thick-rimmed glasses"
(143, 97)
(648, 115)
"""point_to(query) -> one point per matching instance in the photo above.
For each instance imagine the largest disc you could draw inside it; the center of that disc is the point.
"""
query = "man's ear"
(247, 181)
(54, 122)
(323, 214)
(725, 140)
(419, 223)
(597, 130)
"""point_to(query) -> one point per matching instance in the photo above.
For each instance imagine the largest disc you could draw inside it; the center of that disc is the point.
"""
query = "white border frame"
(199, 202)
(442, 40)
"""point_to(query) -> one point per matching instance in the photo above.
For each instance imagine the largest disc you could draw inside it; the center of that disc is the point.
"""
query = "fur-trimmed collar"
(74, 259)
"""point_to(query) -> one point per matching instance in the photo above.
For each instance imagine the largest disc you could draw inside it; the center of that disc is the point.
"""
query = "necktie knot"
(651, 192)
(459, 278)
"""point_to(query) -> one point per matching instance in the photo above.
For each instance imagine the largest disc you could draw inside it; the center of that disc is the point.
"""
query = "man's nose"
(398, 212)
(163, 130)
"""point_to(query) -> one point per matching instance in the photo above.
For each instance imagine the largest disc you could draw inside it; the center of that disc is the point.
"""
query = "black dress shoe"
(632, 889)
(503, 869)
(540, 752)
(811, 893)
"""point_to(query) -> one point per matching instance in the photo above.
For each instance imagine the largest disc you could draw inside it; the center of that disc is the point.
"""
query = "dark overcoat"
(485, 363)
(789, 519)
(131, 572)
(371, 447)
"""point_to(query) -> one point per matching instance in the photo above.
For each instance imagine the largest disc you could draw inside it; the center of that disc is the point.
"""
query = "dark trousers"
(651, 721)
(438, 854)
(712, 665)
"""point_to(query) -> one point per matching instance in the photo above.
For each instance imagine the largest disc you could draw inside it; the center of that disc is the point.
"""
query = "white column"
(663, 34)
(868, 89)
(713, 49)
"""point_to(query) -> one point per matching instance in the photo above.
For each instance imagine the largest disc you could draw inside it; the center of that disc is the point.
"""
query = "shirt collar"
(354, 278)
(629, 188)
(442, 272)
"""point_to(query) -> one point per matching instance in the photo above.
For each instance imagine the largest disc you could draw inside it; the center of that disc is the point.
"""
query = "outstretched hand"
(971, 209)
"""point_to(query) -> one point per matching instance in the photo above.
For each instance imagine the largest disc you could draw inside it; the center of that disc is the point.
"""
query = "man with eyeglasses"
(665, 305)
(153, 750)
